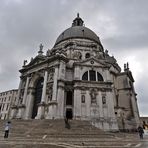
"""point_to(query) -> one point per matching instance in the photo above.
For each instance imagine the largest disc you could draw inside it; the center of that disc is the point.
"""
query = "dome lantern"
(77, 21)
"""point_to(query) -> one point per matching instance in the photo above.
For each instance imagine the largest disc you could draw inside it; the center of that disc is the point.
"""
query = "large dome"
(78, 31)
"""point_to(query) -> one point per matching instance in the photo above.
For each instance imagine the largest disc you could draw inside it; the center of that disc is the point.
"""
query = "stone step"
(60, 135)
(45, 132)
(71, 141)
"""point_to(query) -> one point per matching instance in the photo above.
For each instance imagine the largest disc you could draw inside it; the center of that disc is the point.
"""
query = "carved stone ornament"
(20, 100)
(92, 62)
(104, 99)
(99, 55)
(77, 55)
(51, 75)
(49, 91)
(93, 94)
(82, 98)
(21, 97)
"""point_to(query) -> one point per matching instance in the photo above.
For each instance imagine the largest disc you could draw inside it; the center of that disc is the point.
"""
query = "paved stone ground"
(127, 142)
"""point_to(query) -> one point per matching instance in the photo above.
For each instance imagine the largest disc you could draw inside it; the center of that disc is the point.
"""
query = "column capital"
(56, 66)
(22, 106)
(41, 104)
(53, 102)
(14, 107)
(44, 69)
(26, 76)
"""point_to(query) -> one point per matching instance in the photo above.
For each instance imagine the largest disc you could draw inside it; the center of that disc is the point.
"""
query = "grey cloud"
(142, 95)
(24, 24)
(126, 42)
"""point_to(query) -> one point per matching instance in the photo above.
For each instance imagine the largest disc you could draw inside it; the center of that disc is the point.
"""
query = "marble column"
(111, 112)
(15, 103)
(77, 104)
(22, 106)
(41, 106)
(88, 76)
(55, 84)
(29, 103)
(52, 105)
(77, 73)
(19, 92)
(25, 92)
(44, 87)
(62, 70)
(108, 76)
(100, 105)
(60, 99)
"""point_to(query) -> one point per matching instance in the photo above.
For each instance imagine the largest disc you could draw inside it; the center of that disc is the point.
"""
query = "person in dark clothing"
(67, 125)
(65, 120)
(7, 128)
(141, 132)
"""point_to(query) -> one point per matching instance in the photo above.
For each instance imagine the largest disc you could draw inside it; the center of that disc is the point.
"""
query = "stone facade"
(77, 79)
(7, 98)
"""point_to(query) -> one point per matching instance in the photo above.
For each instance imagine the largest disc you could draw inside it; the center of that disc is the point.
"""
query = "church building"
(77, 79)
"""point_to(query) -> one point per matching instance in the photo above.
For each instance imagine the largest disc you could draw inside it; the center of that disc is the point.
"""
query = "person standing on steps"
(141, 132)
(7, 128)
(66, 122)
(67, 125)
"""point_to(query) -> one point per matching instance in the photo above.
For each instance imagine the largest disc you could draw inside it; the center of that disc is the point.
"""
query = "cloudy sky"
(122, 26)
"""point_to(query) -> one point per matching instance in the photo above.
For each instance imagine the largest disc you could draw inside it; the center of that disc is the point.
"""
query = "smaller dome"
(78, 30)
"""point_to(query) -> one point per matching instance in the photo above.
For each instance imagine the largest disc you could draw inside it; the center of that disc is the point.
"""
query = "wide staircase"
(54, 134)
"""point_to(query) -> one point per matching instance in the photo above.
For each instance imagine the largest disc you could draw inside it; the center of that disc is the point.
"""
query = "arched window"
(92, 75)
(85, 76)
(99, 77)
(87, 55)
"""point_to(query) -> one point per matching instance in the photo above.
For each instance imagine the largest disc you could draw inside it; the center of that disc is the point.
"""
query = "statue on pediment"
(25, 61)
(48, 53)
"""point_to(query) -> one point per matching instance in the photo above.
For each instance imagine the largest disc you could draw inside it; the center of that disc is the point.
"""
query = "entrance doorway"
(69, 100)
(69, 104)
(69, 113)
(37, 96)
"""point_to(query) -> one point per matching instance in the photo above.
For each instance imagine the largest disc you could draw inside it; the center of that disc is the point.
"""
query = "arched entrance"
(37, 96)
(69, 104)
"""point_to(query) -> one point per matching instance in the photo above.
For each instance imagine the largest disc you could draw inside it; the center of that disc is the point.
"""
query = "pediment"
(36, 60)
(92, 61)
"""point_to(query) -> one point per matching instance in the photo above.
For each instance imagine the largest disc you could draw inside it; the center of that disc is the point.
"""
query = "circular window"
(92, 62)
(87, 55)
